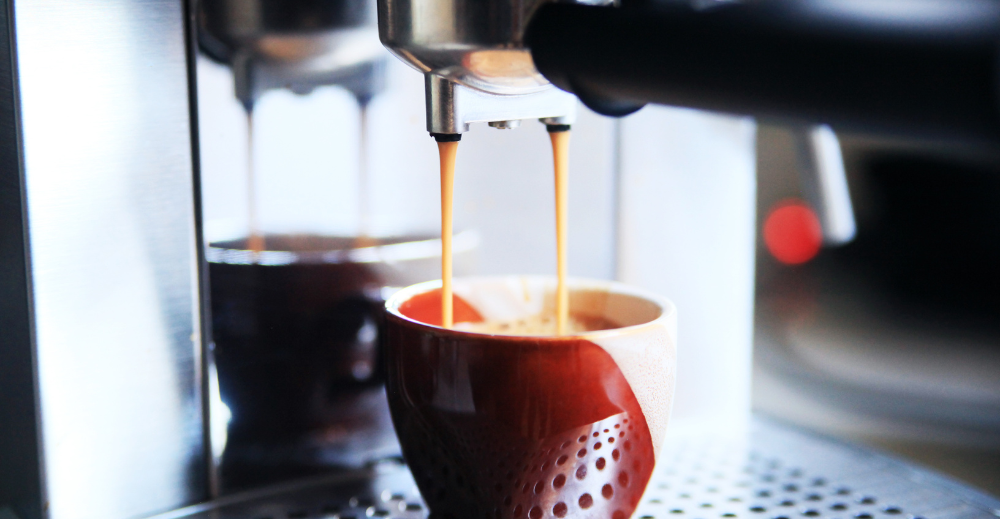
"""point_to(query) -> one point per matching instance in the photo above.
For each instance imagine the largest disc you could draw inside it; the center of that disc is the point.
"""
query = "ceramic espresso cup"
(502, 426)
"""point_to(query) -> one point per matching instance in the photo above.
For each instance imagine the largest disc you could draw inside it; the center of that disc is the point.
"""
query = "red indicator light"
(792, 232)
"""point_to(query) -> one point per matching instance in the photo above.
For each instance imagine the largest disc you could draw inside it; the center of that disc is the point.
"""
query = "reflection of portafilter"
(474, 60)
(293, 44)
(299, 371)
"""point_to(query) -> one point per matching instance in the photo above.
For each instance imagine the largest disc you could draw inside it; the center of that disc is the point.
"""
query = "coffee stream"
(560, 157)
(364, 238)
(448, 152)
(559, 135)
(256, 238)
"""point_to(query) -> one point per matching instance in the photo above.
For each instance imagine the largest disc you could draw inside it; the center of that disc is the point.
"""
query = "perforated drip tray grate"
(776, 472)
(781, 473)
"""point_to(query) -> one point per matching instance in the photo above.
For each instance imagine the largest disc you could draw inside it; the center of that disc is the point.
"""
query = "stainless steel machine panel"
(112, 242)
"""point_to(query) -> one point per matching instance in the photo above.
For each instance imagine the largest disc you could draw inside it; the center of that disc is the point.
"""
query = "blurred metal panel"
(20, 483)
(110, 192)
(685, 223)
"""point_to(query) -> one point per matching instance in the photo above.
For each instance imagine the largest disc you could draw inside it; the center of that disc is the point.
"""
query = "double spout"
(476, 65)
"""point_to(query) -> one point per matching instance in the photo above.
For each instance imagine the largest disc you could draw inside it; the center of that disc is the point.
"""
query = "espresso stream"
(560, 156)
(448, 152)
(516, 427)
(255, 242)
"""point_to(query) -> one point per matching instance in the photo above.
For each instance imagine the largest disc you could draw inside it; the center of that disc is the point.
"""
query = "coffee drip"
(255, 238)
(448, 150)
(559, 134)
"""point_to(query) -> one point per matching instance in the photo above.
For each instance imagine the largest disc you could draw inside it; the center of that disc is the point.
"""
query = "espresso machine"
(105, 364)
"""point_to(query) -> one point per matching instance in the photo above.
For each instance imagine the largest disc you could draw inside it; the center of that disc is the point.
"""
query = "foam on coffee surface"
(541, 325)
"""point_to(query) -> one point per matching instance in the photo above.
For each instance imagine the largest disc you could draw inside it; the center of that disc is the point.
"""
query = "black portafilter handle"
(921, 67)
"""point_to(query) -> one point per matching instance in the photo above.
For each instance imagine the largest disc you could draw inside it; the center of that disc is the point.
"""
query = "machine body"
(913, 68)
(101, 353)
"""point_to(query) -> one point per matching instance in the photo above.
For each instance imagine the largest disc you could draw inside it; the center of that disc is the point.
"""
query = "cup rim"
(421, 247)
(666, 307)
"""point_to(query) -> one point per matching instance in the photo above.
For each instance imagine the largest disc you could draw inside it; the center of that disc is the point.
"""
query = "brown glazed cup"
(530, 427)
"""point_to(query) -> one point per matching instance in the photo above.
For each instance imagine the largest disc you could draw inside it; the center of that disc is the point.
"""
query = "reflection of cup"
(295, 327)
(511, 427)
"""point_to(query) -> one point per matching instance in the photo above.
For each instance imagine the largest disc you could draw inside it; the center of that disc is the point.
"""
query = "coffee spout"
(476, 66)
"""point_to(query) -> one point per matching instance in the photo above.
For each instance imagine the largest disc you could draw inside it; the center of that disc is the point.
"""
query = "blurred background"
(893, 339)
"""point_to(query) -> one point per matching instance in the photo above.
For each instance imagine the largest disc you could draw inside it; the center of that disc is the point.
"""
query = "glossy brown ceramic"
(511, 427)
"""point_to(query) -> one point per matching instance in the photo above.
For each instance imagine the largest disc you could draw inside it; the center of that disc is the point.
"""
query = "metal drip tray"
(774, 472)
(779, 472)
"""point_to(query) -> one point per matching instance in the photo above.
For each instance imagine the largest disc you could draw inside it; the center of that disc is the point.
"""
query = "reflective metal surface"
(475, 43)
(773, 472)
(451, 107)
(824, 181)
(294, 44)
(777, 471)
(475, 64)
(20, 479)
(299, 351)
(109, 173)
